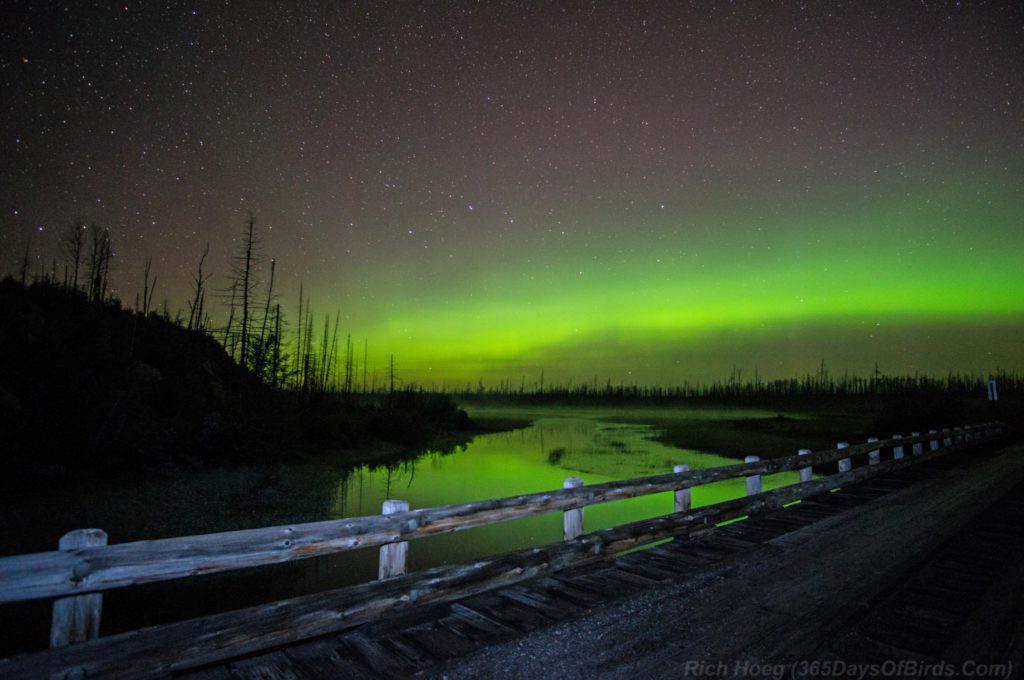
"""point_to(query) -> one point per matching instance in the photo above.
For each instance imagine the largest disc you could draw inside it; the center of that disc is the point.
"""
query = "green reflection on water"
(533, 459)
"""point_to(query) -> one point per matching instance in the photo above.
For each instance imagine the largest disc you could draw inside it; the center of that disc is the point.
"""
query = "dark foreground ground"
(918, 573)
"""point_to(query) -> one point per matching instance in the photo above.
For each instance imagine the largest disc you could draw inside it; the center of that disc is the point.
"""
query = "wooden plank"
(610, 584)
(323, 659)
(380, 660)
(865, 650)
(669, 565)
(628, 577)
(646, 568)
(535, 599)
(272, 666)
(565, 590)
(442, 642)
(76, 572)
(482, 623)
(511, 613)
(406, 648)
(908, 635)
(994, 632)
(219, 672)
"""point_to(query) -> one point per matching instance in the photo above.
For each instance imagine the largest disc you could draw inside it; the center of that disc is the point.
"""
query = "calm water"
(537, 458)
(575, 443)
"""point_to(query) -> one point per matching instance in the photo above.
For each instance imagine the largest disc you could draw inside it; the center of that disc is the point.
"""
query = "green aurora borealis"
(929, 283)
(644, 193)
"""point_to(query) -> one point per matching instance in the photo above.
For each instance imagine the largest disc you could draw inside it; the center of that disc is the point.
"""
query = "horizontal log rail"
(84, 570)
(160, 650)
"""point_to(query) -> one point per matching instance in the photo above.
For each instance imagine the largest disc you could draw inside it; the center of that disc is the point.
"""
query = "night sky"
(641, 192)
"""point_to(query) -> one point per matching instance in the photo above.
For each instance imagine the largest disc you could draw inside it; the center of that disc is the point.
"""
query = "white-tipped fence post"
(753, 481)
(934, 443)
(77, 619)
(874, 457)
(897, 451)
(959, 434)
(392, 555)
(805, 472)
(572, 520)
(844, 463)
(918, 447)
(947, 440)
(682, 496)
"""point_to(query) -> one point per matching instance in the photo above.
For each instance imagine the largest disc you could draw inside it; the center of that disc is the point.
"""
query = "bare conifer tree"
(391, 374)
(196, 304)
(275, 366)
(23, 269)
(366, 347)
(73, 248)
(148, 287)
(260, 355)
(243, 271)
(231, 319)
(100, 254)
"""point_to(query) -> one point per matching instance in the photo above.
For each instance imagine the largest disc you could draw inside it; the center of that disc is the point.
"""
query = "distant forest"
(735, 388)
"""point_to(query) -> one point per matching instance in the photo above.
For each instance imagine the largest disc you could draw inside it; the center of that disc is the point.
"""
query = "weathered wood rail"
(77, 575)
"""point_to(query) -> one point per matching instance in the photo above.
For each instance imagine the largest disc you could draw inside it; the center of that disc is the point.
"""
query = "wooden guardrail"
(78, 573)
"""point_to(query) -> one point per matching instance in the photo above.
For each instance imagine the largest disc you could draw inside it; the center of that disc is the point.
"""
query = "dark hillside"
(93, 387)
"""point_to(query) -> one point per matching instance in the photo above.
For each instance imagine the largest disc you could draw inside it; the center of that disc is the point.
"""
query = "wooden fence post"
(844, 463)
(77, 618)
(805, 473)
(897, 451)
(918, 448)
(753, 481)
(874, 457)
(682, 496)
(933, 445)
(572, 520)
(392, 555)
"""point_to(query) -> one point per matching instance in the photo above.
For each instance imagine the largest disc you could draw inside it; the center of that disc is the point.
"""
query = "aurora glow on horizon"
(649, 192)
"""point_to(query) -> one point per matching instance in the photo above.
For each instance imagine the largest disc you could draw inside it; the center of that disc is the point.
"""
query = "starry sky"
(643, 192)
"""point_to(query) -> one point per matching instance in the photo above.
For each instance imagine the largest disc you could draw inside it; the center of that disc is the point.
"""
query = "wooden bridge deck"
(923, 564)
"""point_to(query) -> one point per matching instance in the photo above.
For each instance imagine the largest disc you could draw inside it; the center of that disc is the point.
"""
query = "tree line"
(310, 361)
(734, 387)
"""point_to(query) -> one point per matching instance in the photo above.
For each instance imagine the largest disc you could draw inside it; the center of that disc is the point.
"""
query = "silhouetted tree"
(261, 346)
(391, 376)
(148, 287)
(198, 301)
(243, 275)
(73, 248)
(100, 254)
(23, 269)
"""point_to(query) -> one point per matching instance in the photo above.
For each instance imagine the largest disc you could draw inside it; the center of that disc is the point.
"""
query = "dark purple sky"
(641, 190)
